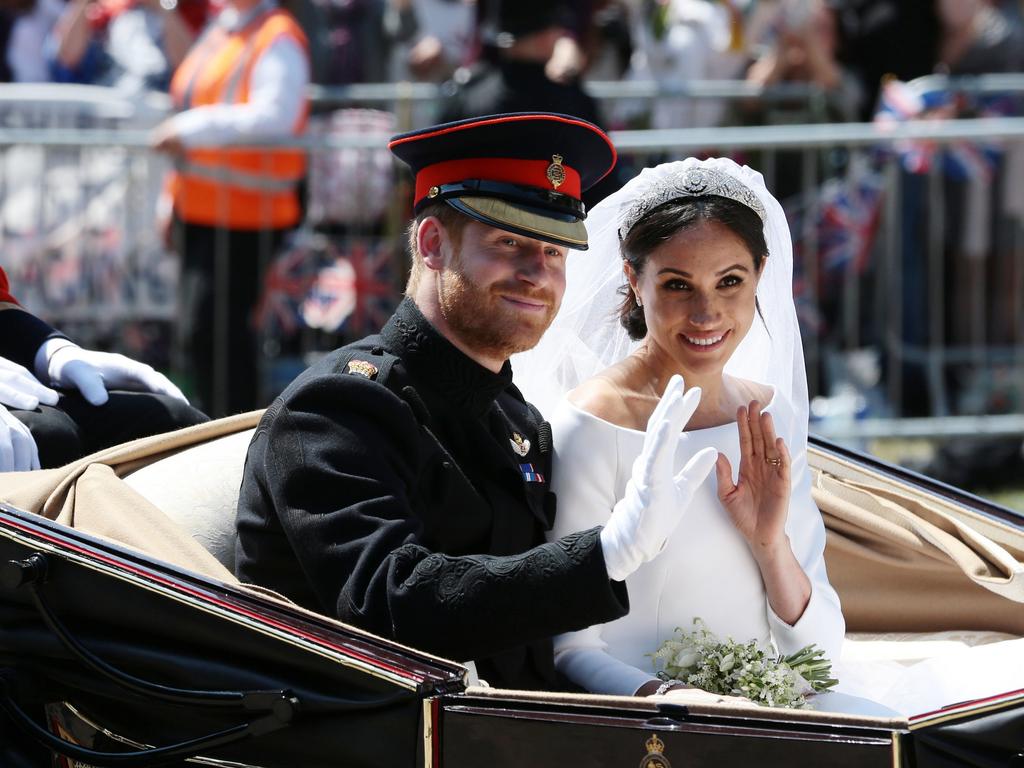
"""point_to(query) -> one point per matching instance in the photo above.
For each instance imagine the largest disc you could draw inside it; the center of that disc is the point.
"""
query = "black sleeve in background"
(878, 38)
(6, 24)
(339, 463)
(21, 334)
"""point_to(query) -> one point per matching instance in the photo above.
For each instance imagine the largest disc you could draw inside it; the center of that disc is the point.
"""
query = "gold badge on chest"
(519, 444)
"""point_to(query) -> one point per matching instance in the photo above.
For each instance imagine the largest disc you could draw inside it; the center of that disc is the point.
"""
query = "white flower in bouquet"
(700, 659)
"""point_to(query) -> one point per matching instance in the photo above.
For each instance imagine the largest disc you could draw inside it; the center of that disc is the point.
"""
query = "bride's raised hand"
(759, 501)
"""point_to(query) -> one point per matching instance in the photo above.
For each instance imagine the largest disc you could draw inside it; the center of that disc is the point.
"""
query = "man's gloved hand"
(20, 389)
(655, 501)
(17, 447)
(93, 373)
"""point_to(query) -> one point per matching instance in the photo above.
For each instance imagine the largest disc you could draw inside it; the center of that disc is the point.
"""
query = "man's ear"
(431, 237)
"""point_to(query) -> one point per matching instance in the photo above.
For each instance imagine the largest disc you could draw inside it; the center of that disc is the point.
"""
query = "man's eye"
(509, 242)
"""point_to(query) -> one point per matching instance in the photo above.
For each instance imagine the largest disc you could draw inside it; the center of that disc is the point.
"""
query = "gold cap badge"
(362, 368)
(556, 172)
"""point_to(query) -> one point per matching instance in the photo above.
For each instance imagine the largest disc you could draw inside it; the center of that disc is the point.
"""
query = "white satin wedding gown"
(706, 569)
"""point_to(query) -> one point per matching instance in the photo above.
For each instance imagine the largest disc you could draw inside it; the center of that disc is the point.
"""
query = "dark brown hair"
(672, 217)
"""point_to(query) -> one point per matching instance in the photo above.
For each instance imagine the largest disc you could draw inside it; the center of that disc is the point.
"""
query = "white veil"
(586, 336)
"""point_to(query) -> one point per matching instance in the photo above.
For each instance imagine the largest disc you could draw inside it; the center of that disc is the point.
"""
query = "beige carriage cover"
(901, 560)
(95, 496)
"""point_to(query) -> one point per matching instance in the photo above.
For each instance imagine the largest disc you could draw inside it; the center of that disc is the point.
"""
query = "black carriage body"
(335, 696)
(506, 730)
(348, 698)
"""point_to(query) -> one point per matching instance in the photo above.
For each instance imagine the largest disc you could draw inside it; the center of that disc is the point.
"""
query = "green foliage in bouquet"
(700, 659)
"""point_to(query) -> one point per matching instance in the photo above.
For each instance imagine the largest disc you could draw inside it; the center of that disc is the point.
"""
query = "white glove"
(18, 450)
(93, 373)
(686, 696)
(20, 389)
(654, 500)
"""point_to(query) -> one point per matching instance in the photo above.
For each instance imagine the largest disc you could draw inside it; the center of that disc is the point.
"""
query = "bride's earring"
(638, 302)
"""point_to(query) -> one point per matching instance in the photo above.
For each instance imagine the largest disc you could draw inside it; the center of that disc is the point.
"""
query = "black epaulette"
(377, 364)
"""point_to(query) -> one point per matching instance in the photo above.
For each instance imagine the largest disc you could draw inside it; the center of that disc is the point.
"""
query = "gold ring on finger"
(774, 461)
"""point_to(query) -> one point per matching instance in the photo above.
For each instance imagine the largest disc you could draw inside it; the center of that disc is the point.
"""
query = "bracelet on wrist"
(665, 687)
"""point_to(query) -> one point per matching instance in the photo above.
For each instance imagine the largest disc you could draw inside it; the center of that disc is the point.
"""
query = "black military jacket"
(404, 488)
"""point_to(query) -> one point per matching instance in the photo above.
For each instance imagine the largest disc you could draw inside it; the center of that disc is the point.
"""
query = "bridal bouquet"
(700, 659)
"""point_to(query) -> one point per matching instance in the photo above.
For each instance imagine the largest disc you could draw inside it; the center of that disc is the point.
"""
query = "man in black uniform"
(402, 483)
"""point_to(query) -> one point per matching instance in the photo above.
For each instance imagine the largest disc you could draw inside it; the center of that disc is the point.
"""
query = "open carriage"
(126, 641)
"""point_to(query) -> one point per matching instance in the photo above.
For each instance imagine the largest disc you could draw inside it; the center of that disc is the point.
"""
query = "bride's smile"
(705, 343)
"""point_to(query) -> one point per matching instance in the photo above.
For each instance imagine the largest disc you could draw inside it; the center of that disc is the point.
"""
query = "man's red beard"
(484, 321)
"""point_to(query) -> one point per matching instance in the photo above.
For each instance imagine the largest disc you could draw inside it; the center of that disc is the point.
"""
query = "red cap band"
(528, 173)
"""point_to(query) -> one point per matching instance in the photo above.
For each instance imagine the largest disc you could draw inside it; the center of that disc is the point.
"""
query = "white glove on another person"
(18, 450)
(93, 373)
(655, 501)
(684, 696)
(20, 389)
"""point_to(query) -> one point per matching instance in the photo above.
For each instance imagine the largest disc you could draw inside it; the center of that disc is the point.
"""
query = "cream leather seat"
(198, 489)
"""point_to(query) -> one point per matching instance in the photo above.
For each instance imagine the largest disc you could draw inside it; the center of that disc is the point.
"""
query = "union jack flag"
(376, 292)
(287, 282)
(845, 222)
(928, 99)
(335, 285)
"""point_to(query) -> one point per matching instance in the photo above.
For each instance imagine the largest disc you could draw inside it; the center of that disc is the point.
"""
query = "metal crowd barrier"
(390, 94)
(906, 333)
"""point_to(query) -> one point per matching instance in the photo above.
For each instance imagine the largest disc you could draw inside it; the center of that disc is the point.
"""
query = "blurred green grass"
(1013, 498)
(899, 451)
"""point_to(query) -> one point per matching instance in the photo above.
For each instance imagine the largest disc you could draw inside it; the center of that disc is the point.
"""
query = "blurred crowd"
(843, 46)
(820, 61)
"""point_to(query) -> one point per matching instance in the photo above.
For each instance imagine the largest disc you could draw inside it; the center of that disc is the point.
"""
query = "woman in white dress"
(696, 258)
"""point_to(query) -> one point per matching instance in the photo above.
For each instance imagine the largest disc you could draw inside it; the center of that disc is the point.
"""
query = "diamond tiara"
(695, 182)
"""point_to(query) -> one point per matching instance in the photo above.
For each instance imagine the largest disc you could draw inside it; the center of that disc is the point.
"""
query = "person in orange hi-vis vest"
(55, 406)
(245, 80)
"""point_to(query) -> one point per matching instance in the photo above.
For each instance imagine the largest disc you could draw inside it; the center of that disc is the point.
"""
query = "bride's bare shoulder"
(607, 396)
